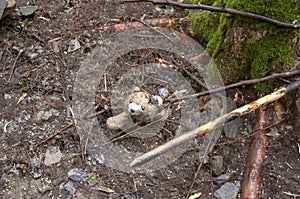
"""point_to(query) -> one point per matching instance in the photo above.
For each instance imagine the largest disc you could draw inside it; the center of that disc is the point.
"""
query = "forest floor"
(38, 70)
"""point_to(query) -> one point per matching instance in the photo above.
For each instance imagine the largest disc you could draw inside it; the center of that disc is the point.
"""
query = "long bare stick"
(275, 22)
(190, 135)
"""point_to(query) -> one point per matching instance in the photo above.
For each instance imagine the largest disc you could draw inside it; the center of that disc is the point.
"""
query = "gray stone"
(43, 189)
(227, 191)
(77, 175)
(52, 156)
(28, 10)
(223, 178)
(163, 92)
(37, 173)
(74, 45)
(69, 187)
(46, 115)
(57, 181)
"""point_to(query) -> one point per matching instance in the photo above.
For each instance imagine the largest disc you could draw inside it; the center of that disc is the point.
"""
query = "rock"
(69, 187)
(28, 10)
(6, 7)
(74, 45)
(54, 112)
(45, 115)
(223, 178)
(7, 96)
(52, 156)
(37, 173)
(34, 162)
(43, 189)
(57, 181)
(227, 191)
(4, 178)
(216, 165)
(163, 92)
(77, 175)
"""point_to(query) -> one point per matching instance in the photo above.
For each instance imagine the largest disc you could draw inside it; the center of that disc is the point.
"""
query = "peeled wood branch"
(295, 25)
(190, 135)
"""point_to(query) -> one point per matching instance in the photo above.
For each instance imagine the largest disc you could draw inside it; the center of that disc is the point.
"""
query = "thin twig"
(12, 70)
(156, 30)
(54, 134)
(295, 25)
(241, 83)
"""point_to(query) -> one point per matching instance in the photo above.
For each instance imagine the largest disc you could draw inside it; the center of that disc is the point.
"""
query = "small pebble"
(7, 96)
(216, 164)
(57, 181)
(37, 173)
(158, 100)
(163, 92)
(69, 187)
(34, 162)
(223, 178)
(73, 45)
(44, 189)
(45, 115)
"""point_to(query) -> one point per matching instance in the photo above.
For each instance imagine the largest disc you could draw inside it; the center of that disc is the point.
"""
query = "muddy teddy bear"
(139, 108)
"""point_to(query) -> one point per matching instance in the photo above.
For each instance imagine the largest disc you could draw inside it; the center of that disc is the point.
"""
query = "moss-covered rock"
(245, 48)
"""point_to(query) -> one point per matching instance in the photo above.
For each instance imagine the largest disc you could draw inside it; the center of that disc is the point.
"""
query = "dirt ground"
(32, 64)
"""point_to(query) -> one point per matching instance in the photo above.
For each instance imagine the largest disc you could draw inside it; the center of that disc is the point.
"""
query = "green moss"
(283, 10)
(215, 42)
(264, 49)
(207, 2)
(266, 57)
(205, 24)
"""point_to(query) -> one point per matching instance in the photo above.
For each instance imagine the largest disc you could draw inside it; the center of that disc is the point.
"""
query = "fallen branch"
(256, 157)
(154, 22)
(190, 135)
(241, 83)
(294, 25)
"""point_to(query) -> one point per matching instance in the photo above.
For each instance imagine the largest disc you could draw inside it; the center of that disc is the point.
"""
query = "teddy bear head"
(138, 108)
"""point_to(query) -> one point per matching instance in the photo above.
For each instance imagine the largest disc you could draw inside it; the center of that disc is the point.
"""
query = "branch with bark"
(294, 25)
(256, 156)
(241, 83)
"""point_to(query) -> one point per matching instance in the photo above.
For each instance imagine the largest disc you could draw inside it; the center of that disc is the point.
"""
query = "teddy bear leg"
(118, 122)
